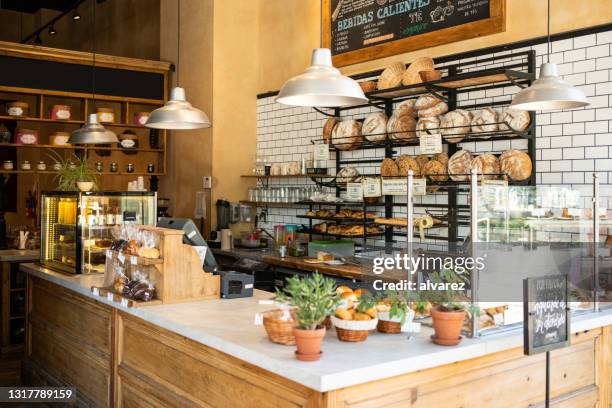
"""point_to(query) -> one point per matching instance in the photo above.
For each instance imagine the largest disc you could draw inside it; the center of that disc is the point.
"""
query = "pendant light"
(549, 91)
(177, 113)
(321, 85)
(93, 132)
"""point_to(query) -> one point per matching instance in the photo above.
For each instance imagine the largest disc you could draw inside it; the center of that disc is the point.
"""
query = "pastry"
(411, 76)
(367, 86)
(132, 247)
(405, 163)
(401, 126)
(441, 157)
(516, 164)
(487, 166)
(407, 108)
(435, 171)
(324, 256)
(328, 129)
(347, 135)
(322, 227)
(517, 119)
(432, 124)
(375, 127)
(343, 314)
(388, 168)
(455, 125)
(391, 77)
(362, 316)
(347, 175)
(459, 165)
(485, 121)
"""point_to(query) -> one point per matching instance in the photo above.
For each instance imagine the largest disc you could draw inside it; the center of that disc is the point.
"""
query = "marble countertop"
(19, 255)
(228, 325)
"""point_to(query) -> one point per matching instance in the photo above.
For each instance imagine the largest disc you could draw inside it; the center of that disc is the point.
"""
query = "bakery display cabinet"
(77, 227)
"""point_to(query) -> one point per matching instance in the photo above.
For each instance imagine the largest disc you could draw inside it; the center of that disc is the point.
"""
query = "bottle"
(101, 216)
(110, 217)
(118, 216)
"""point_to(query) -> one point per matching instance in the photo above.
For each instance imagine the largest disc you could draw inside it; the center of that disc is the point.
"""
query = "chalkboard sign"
(546, 322)
(361, 30)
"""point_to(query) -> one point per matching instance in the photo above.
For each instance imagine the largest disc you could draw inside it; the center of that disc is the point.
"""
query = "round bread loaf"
(347, 135)
(517, 119)
(421, 159)
(432, 124)
(487, 166)
(516, 164)
(401, 127)
(438, 109)
(347, 175)
(407, 108)
(411, 76)
(375, 127)
(328, 128)
(459, 165)
(441, 157)
(388, 168)
(485, 121)
(426, 102)
(455, 125)
(405, 163)
(435, 171)
(391, 77)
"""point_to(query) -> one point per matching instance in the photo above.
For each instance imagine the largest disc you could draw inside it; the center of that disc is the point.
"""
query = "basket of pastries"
(356, 316)
(279, 324)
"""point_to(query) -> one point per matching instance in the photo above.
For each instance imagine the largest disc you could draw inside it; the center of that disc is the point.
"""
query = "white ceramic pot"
(85, 185)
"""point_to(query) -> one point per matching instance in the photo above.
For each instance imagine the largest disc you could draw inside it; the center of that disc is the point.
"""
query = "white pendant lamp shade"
(92, 133)
(178, 114)
(321, 85)
(549, 92)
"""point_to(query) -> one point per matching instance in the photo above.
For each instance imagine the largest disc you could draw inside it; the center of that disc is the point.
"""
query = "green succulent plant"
(72, 170)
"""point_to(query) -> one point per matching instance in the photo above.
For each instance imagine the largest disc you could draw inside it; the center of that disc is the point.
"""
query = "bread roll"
(388, 168)
(459, 165)
(455, 125)
(516, 164)
(347, 175)
(421, 159)
(375, 127)
(485, 121)
(487, 166)
(517, 119)
(441, 157)
(347, 135)
(391, 77)
(405, 163)
(401, 127)
(328, 129)
(432, 124)
(407, 108)
(434, 170)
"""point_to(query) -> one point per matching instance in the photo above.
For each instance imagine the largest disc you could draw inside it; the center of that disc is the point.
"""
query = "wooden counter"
(209, 354)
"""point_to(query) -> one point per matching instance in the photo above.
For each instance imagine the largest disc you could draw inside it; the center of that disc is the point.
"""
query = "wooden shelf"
(139, 259)
(288, 176)
(41, 120)
(42, 146)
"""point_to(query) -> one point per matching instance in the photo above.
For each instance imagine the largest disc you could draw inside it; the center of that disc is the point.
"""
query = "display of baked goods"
(422, 159)
(401, 126)
(347, 135)
(374, 127)
(429, 105)
(435, 171)
(426, 221)
(485, 121)
(424, 124)
(320, 213)
(460, 165)
(351, 230)
(407, 108)
(347, 175)
(391, 77)
(349, 307)
(321, 227)
(406, 163)
(455, 125)
(354, 214)
(149, 252)
(515, 164)
(441, 157)
(367, 86)
(487, 165)
(328, 128)
(411, 75)
(389, 168)
(518, 120)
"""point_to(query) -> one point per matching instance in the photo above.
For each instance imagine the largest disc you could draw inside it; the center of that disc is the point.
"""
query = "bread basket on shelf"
(279, 329)
(392, 325)
(353, 330)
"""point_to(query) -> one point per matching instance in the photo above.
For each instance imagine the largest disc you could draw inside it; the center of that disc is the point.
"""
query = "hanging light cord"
(93, 67)
(548, 39)
(178, 42)
(321, 31)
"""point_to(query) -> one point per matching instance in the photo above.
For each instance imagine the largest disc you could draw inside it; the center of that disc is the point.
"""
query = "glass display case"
(76, 227)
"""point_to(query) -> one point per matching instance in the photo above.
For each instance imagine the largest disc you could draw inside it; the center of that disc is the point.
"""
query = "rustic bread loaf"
(517, 119)
(441, 157)
(388, 168)
(401, 127)
(407, 108)
(460, 165)
(516, 164)
(487, 165)
(375, 127)
(435, 171)
(328, 128)
(432, 124)
(391, 77)
(455, 125)
(347, 135)
(485, 121)
(405, 163)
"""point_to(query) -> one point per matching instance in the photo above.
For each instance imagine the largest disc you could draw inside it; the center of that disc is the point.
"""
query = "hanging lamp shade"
(321, 85)
(549, 92)
(92, 133)
(178, 114)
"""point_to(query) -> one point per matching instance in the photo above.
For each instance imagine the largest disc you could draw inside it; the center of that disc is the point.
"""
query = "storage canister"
(59, 138)
(140, 118)
(105, 115)
(61, 112)
(17, 108)
(26, 137)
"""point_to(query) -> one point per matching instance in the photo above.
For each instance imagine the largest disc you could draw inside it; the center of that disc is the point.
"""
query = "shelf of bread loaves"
(345, 215)
(343, 231)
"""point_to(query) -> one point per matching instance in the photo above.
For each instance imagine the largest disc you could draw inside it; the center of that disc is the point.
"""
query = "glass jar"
(105, 115)
(17, 109)
(41, 166)
(99, 167)
(150, 168)
(7, 165)
(113, 167)
(26, 165)
(61, 112)
(57, 166)
(279, 236)
(129, 168)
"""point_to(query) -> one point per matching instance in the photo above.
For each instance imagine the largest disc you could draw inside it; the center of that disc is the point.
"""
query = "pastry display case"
(77, 227)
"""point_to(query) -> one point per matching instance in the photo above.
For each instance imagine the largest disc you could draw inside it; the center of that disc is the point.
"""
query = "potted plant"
(75, 173)
(393, 311)
(314, 298)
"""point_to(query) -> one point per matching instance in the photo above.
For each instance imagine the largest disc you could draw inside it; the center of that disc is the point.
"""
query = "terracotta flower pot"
(308, 343)
(447, 326)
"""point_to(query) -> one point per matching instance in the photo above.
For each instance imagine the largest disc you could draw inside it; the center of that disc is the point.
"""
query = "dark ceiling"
(32, 6)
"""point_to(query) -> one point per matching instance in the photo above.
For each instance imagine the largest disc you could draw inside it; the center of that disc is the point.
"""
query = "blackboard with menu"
(360, 30)
(546, 322)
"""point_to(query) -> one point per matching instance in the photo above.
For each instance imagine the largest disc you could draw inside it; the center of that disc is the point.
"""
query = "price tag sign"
(419, 187)
(371, 187)
(394, 187)
(124, 302)
(354, 192)
(266, 302)
(134, 260)
(430, 144)
(320, 152)
(121, 258)
(95, 291)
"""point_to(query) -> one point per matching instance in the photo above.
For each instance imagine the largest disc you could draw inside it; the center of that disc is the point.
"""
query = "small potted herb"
(314, 298)
(75, 173)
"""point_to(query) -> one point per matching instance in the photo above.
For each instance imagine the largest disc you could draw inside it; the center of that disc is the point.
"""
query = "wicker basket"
(353, 330)
(352, 335)
(389, 327)
(279, 331)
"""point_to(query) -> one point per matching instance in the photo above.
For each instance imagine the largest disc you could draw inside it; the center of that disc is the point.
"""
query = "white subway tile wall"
(570, 144)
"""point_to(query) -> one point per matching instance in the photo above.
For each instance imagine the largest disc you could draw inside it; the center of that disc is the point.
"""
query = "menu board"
(394, 26)
(546, 322)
